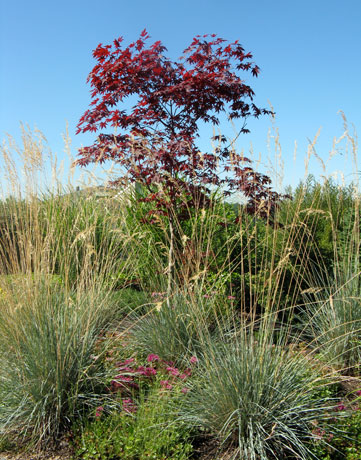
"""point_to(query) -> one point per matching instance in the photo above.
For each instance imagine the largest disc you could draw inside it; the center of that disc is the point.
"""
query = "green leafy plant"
(341, 438)
(152, 432)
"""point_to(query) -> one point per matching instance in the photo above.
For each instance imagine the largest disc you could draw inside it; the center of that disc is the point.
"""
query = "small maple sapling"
(157, 143)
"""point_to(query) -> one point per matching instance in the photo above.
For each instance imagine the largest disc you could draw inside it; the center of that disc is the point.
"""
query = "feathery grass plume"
(59, 251)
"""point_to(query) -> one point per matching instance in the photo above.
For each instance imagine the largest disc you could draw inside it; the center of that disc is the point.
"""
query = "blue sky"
(309, 53)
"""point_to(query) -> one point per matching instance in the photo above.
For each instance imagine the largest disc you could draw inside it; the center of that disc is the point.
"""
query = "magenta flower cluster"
(209, 296)
(130, 375)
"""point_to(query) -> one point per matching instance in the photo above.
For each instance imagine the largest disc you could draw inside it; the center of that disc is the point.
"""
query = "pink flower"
(183, 376)
(147, 371)
(129, 405)
(207, 296)
(340, 407)
(152, 357)
(165, 384)
(193, 360)
(184, 390)
(158, 294)
(173, 371)
(99, 411)
(231, 297)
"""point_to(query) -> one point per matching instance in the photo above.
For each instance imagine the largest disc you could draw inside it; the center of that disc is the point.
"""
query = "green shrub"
(152, 432)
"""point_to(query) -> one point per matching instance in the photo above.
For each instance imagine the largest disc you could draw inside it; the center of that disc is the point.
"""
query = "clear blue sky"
(309, 53)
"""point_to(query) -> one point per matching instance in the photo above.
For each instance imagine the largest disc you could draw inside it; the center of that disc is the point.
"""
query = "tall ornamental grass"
(333, 313)
(59, 252)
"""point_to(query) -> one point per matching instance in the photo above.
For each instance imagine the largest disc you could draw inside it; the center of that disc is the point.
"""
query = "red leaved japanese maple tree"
(156, 143)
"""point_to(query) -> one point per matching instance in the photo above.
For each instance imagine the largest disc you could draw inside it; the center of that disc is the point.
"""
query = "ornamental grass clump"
(333, 315)
(177, 328)
(334, 324)
(49, 375)
(258, 398)
(332, 319)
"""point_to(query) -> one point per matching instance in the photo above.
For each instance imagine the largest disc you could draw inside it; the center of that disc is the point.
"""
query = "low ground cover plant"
(344, 442)
(149, 432)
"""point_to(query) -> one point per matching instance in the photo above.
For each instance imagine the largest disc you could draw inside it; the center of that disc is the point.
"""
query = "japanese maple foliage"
(156, 144)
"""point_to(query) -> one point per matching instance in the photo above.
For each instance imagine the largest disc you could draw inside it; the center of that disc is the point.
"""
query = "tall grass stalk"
(60, 253)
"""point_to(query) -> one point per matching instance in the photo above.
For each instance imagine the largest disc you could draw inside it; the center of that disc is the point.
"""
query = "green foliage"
(130, 301)
(273, 262)
(153, 432)
(82, 230)
(145, 244)
(60, 233)
(323, 213)
(334, 324)
(333, 313)
(341, 439)
(6, 444)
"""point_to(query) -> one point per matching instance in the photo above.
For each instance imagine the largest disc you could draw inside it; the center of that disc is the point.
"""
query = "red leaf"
(158, 143)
